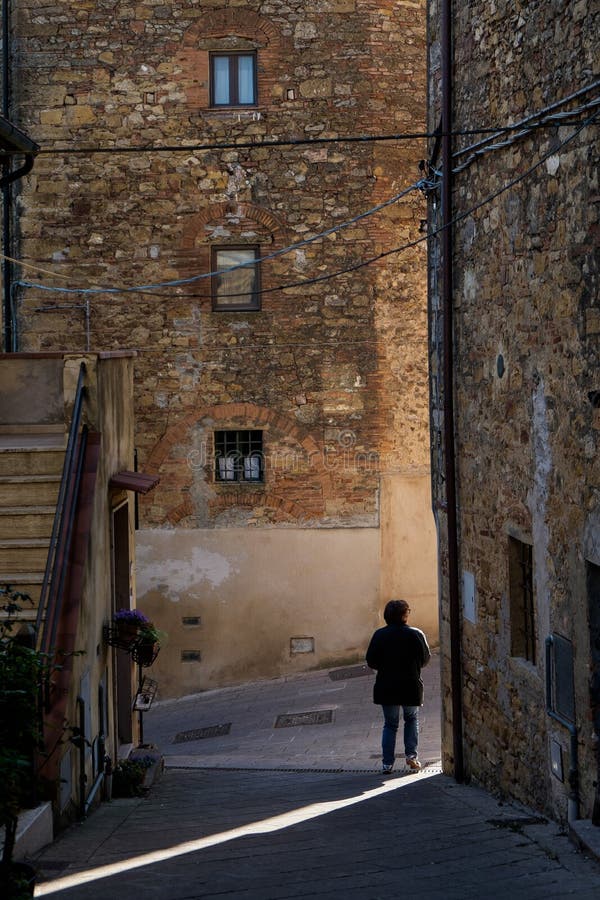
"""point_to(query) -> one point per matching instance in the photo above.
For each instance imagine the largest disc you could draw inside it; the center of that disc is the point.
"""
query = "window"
(238, 289)
(522, 614)
(239, 456)
(233, 79)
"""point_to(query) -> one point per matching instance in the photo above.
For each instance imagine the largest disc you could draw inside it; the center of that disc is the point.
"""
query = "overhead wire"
(304, 142)
(428, 184)
(456, 219)
(539, 114)
(557, 118)
(179, 282)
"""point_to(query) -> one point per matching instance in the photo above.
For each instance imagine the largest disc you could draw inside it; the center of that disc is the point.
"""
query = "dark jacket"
(398, 652)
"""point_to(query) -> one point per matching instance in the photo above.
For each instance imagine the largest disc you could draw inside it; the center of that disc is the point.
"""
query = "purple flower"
(135, 616)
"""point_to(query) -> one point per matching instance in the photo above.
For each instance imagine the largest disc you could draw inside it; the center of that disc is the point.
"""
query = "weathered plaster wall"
(526, 372)
(108, 410)
(408, 557)
(253, 591)
(32, 393)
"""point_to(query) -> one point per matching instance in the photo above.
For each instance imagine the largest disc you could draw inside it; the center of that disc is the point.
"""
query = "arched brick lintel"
(220, 212)
(254, 416)
(251, 414)
(227, 22)
(270, 500)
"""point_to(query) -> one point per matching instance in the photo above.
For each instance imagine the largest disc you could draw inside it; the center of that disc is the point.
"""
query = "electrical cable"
(556, 119)
(475, 149)
(458, 218)
(419, 185)
(326, 277)
(300, 142)
(536, 115)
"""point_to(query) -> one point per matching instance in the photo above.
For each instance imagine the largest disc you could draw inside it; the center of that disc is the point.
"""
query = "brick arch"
(252, 415)
(239, 22)
(220, 211)
(271, 500)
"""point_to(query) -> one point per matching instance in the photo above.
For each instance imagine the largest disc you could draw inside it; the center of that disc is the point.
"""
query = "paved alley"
(301, 810)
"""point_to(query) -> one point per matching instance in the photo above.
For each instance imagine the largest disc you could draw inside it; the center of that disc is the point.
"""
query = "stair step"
(27, 614)
(30, 490)
(41, 461)
(26, 555)
(29, 521)
(32, 440)
(29, 583)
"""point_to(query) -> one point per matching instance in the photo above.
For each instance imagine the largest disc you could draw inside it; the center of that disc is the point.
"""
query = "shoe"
(413, 763)
(387, 770)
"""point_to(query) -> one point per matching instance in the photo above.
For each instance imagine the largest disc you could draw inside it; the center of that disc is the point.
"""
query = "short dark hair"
(395, 612)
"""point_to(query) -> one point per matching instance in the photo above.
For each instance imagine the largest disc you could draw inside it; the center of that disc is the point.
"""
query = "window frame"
(523, 637)
(245, 448)
(251, 305)
(233, 56)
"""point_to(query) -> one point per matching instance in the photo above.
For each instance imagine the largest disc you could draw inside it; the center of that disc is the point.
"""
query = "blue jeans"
(391, 719)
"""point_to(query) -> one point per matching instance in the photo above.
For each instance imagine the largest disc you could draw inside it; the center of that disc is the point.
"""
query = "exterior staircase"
(31, 464)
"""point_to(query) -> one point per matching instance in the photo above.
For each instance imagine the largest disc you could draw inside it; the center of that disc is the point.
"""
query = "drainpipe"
(6, 266)
(5, 59)
(13, 140)
(448, 376)
(81, 745)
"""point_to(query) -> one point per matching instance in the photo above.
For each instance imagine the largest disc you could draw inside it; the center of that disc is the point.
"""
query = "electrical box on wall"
(468, 591)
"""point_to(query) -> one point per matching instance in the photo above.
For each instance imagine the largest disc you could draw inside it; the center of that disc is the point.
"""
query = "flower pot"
(126, 631)
(145, 651)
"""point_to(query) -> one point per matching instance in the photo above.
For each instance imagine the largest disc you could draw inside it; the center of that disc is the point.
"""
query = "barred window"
(239, 456)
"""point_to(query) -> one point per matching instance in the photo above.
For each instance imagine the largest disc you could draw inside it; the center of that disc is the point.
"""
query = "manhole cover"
(198, 734)
(350, 672)
(319, 717)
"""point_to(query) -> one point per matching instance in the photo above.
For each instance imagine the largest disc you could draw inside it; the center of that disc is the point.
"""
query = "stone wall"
(525, 380)
(332, 371)
(348, 350)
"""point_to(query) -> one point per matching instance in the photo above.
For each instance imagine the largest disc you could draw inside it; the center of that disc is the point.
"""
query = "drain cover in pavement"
(199, 734)
(319, 717)
(350, 672)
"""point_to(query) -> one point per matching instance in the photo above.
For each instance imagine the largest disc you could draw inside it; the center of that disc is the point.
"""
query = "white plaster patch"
(159, 568)
(470, 284)
(537, 502)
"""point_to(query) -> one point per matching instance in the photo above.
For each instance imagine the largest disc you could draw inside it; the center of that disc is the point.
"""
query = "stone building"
(515, 329)
(282, 402)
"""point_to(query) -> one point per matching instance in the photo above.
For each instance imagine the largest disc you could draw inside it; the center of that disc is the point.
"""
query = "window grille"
(239, 456)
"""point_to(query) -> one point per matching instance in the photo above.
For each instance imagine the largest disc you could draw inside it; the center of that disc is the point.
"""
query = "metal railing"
(52, 590)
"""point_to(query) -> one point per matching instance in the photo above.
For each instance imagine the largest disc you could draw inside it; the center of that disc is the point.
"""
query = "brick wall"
(337, 366)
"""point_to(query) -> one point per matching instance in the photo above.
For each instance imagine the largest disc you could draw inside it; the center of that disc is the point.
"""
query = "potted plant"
(21, 672)
(147, 644)
(127, 624)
